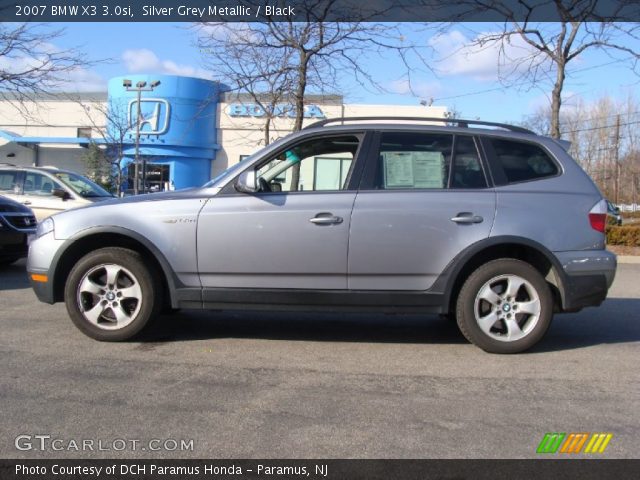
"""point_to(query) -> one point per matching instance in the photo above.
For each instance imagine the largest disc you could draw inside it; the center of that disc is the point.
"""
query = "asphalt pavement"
(290, 385)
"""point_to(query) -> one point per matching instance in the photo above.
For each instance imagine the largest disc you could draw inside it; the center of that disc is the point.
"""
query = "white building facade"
(190, 130)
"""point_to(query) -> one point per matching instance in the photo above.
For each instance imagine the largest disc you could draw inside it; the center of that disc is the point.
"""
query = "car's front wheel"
(505, 306)
(112, 295)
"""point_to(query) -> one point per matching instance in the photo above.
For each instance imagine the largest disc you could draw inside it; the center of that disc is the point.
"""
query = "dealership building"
(190, 129)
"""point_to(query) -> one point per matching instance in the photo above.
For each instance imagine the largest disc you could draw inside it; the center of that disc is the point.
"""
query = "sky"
(461, 79)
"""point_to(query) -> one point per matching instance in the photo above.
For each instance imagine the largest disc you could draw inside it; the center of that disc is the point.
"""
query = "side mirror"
(246, 182)
(60, 193)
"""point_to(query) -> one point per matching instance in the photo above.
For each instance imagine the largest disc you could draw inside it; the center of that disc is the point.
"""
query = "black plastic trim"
(172, 281)
(326, 300)
(188, 295)
(495, 168)
(445, 282)
(459, 121)
(585, 291)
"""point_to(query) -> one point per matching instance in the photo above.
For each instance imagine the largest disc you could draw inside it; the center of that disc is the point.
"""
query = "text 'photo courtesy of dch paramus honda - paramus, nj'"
(491, 225)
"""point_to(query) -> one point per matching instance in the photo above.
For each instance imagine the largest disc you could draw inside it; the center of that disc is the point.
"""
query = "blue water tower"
(177, 124)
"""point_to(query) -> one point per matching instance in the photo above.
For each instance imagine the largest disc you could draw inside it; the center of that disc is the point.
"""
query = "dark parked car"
(17, 222)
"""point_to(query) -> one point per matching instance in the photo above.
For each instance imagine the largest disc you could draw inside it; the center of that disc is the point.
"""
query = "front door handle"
(325, 218)
(467, 217)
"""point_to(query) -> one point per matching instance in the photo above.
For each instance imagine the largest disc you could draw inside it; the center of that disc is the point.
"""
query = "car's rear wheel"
(505, 306)
(112, 295)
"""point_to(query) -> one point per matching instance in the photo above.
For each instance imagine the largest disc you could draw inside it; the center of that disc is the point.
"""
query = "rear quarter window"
(522, 161)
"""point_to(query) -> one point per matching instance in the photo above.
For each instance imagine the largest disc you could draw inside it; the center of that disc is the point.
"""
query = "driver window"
(321, 164)
(40, 185)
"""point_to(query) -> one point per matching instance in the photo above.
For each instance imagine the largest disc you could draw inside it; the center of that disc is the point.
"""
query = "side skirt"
(312, 300)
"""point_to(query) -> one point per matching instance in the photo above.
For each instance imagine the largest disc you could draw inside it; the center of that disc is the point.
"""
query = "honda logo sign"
(154, 115)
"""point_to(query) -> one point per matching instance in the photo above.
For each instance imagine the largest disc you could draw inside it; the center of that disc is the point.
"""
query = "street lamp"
(140, 87)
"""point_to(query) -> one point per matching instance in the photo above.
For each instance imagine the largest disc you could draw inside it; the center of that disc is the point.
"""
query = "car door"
(38, 195)
(424, 199)
(294, 232)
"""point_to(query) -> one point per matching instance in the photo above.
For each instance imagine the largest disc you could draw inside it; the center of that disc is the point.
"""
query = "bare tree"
(533, 53)
(289, 60)
(110, 121)
(30, 65)
(605, 141)
(264, 74)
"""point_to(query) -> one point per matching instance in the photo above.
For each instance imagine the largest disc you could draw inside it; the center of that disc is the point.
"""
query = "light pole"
(140, 87)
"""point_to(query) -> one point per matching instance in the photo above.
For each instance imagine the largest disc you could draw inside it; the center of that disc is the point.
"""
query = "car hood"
(10, 206)
(185, 193)
(144, 214)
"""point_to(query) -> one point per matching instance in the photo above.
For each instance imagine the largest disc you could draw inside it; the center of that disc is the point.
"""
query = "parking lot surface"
(289, 385)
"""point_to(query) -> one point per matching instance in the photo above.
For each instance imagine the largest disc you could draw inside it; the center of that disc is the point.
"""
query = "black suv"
(17, 222)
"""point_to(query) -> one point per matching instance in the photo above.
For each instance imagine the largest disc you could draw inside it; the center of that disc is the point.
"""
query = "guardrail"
(629, 207)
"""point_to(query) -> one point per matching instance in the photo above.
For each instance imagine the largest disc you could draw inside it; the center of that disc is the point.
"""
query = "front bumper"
(13, 244)
(43, 290)
(588, 275)
(41, 263)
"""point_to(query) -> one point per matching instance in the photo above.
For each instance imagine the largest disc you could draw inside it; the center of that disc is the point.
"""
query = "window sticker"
(413, 169)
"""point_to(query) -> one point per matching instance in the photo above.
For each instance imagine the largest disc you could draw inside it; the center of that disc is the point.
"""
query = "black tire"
(520, 331)
(136, 311)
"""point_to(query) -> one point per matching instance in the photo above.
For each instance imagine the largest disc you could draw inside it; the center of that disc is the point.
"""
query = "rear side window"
(523, 161)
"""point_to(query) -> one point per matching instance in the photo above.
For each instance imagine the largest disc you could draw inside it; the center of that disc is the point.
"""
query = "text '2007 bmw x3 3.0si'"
(496, 227)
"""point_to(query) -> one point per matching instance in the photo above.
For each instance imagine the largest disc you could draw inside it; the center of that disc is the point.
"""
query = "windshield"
(81, 185)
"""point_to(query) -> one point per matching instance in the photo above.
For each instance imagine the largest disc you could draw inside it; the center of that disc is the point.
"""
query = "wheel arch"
(92, 239)
(520, 248)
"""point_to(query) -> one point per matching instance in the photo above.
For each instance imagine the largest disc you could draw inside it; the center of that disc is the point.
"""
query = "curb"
(628, 259)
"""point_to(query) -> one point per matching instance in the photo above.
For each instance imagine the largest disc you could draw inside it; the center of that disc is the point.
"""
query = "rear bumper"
(588, 275)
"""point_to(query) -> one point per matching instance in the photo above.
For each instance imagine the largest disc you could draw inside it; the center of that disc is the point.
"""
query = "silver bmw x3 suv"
(488, 224)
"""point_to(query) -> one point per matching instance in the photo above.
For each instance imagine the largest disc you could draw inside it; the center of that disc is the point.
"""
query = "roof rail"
(458, 121)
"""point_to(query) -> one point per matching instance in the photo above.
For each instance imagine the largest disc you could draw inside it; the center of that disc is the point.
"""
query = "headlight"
(44, 227)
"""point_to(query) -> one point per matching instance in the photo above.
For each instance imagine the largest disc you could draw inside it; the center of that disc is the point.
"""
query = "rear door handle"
(325, 218)
(467, 217)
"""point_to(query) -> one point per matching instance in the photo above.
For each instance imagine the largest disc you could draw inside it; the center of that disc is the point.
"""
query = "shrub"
(626, 235)
(611, 220)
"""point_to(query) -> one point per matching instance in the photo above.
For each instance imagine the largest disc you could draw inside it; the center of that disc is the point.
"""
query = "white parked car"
(48, 190)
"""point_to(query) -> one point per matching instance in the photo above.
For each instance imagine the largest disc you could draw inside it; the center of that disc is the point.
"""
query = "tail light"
(598, 216)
